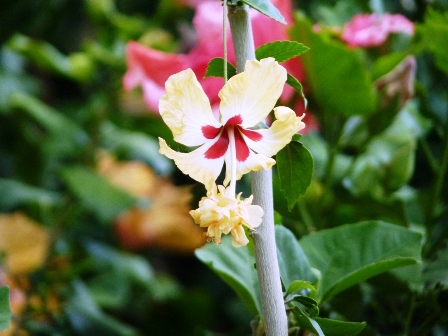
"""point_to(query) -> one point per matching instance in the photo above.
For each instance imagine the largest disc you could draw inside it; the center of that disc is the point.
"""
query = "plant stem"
(274, 313)
(241, 29)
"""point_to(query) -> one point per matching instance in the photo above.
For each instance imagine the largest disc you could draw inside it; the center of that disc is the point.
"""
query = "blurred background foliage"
(94, 230)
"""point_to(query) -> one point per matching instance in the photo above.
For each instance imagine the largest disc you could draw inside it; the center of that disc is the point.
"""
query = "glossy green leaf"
(309, 303)
(236, 267)
(292, 260)
(280, 50)
(295, 169)
(87, 318)
(306, 322)
(20, 193)
(296, 85)
(336, 75)
(340, 328)
(215, 68)
(267, 8)
(96, 193)
(300, 285)
(352, 253)
(5, 309)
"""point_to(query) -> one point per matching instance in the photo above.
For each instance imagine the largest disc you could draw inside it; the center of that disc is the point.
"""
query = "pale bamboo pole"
(274, 313)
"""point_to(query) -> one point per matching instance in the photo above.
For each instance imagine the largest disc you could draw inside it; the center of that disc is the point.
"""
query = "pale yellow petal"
(279, 134)
(194, 163)
(185, 108)
(254, 92)
(239, 237)
(252, 215)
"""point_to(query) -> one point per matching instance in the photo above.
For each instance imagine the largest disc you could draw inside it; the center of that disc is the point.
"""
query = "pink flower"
(368, 30)
(150, 68)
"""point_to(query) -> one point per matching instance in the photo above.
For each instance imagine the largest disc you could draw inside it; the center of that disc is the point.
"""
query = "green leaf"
(20, 193)
(306, 322)
(434, 33)
(55, 123)
(280, 50)
(435, 272)
(386, 63)
(236, 267)
(14, 78)
(300, 285)
(295, 84)
(87, 318)
(118, 273)
(215, 68)
(110, 290)
(129, 265)
(309, 303)
(136, 146)
(96, 193)
(352, 253)
(293, 262)
(267, 8)
(5, 309)
(401, 166)
(77, 66)
(295, 169)
(336, 75)
(388, 160)
(340, 328)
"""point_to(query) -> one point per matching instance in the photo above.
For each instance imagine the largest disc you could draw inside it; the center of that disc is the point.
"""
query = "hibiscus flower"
(370, 30)
(150, 68)
(246, 100)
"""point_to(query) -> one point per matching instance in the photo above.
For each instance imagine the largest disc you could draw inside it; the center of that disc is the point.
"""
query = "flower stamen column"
(274, 314)
(232, 186)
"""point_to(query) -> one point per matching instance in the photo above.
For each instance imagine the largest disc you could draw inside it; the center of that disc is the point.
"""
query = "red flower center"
(219, 148)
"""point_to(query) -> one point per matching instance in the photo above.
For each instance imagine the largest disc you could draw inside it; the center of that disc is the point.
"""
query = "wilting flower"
(150, 68)
(221, 213)
(369, 30)
(246, 100)
(399, 81)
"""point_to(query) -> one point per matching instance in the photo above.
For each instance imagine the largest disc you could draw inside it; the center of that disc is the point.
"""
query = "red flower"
(150, 68)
